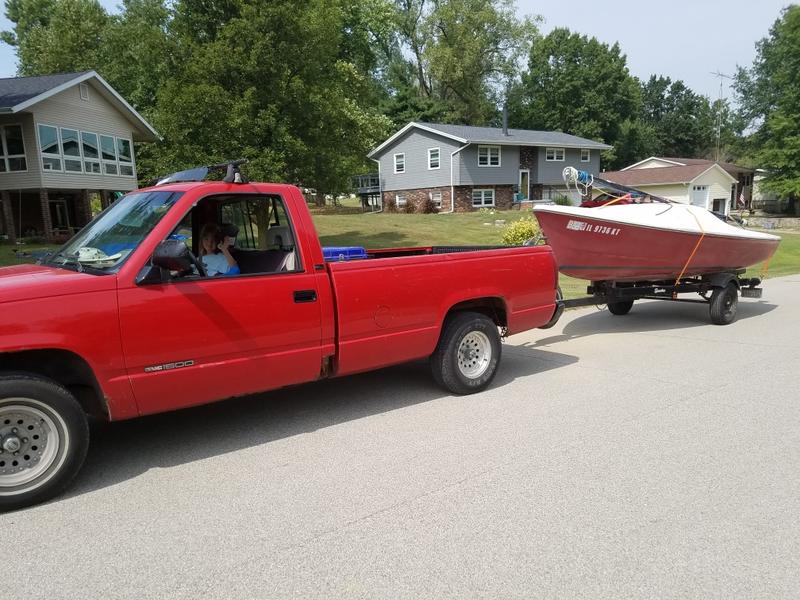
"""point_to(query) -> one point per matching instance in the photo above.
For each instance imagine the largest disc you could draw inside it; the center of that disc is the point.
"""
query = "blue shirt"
(217, 264)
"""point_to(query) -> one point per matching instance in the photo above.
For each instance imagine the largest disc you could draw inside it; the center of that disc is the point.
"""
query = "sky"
(681, 39)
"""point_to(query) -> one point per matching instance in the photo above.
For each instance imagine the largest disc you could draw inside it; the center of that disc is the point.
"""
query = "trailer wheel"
(466, 358)
(623, 307)
(44, 436)
(724, 302)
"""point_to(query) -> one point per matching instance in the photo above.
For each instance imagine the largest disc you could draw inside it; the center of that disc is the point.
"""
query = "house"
(717, 186)
(64, 137)
(477, 166)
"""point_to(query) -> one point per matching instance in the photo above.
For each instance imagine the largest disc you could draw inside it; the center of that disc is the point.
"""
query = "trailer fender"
(721, 280)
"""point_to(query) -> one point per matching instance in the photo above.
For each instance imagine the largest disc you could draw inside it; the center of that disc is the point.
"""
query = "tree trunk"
(319, 199)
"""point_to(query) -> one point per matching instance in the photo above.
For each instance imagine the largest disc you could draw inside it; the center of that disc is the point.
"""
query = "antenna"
(721, 76)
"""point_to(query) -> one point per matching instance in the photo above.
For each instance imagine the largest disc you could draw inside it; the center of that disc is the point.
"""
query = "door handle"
(301, 296)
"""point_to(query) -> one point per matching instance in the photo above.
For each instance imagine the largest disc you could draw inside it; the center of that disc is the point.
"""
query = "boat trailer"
(719, 290)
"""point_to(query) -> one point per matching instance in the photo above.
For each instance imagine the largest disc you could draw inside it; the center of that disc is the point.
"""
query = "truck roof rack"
(231, 168)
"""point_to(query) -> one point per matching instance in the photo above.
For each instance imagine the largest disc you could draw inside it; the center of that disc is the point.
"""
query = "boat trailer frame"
(719, 290)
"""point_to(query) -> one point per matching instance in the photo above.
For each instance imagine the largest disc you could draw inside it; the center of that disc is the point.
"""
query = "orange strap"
(765, 268)
(691, 256)
(617, 199)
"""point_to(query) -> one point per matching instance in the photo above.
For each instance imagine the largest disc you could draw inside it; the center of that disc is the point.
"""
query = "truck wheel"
(724, 302)
(623, 307)
(466, 359)
(44, 436)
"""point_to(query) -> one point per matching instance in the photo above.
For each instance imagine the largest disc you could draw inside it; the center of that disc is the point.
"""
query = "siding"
(550, 172)
(32, 178)
(719, 187)
(96, 115)
(654, 163)
(469, 173)
(679, 192)
(415, 144)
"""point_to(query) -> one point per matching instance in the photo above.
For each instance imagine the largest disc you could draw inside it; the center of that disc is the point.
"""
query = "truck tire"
(44, 436)
(466, 358)
(724, 302)
(623, 307)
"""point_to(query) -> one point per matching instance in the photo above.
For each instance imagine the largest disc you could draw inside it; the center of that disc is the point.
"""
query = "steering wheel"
(197, 263)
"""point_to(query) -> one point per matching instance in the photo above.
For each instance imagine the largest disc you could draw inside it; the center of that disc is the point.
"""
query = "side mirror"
(172, 255)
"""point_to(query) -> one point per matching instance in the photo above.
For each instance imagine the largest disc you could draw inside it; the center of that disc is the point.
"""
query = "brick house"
(63, 138)
(478, 166)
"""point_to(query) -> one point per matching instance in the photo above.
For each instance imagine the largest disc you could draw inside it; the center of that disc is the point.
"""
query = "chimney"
(505, 119)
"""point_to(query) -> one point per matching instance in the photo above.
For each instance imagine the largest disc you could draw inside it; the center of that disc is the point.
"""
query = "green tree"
(577, 85)
(769, 97)
(684, 122)
(52, 36)
(452, 60)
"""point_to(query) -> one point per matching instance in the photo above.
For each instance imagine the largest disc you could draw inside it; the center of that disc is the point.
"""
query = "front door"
(524, 184)
(197, 339)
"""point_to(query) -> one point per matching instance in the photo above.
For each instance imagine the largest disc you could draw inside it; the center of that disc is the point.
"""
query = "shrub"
(562, 201)
(429, 207)
(410, 208)
(519, 232)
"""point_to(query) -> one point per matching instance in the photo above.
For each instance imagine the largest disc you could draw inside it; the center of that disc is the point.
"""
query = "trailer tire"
(724, 304)
(44, 436)
(466, 358)
(623, 307)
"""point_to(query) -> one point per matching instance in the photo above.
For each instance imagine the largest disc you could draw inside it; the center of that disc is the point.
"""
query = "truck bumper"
(556, 315)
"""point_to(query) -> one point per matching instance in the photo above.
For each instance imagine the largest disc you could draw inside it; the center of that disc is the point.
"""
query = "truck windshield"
(105, 243)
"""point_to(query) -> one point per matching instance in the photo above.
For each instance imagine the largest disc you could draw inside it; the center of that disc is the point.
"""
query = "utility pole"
(721, 76)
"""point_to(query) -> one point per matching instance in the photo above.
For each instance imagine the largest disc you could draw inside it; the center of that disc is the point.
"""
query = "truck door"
(197, 339)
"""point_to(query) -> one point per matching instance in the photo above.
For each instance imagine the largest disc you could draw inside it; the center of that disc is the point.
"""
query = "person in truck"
(215, 251)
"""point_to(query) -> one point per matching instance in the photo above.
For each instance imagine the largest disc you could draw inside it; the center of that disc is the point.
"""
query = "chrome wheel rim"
(474, 354)
(32, 444)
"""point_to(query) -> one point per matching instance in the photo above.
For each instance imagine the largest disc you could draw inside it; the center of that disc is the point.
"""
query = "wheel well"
(494, 308)
(64, 367)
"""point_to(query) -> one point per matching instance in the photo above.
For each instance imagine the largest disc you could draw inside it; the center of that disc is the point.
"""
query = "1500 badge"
(169, 366)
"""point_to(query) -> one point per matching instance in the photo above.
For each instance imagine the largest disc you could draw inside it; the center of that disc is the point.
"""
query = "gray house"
(478, 166)
(63, 138)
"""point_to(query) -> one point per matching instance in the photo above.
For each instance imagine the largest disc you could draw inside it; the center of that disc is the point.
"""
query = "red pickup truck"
(124, 321)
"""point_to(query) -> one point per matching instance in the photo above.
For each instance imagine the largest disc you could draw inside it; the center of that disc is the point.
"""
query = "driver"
(215, 251)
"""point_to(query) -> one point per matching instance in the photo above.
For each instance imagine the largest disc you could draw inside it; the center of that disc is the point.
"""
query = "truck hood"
(27, 282)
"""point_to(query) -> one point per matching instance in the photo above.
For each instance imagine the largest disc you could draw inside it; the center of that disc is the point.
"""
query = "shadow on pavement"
(650, 316)
(120, 451)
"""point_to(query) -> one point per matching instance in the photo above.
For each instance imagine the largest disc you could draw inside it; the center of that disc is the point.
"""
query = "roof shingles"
(16, 90)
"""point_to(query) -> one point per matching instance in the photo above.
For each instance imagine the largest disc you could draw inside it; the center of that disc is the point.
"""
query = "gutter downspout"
(452, 187)
(380, 187)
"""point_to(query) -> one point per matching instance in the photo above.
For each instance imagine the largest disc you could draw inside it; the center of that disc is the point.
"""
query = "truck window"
(264, 241)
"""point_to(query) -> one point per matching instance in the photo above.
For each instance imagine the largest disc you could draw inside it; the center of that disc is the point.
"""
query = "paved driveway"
(652, 455)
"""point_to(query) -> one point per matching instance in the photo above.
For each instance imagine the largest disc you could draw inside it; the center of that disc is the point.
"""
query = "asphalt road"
(648, 456)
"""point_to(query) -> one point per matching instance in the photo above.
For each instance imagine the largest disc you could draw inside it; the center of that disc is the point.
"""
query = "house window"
(79, 152)
(554, 154)
(488, 156)
(400, 200)
(433, 158)
(482, 198)
(71, 150)
(49, 145)
(84, 91)
(125, 157)
(13, 149)
(436, 198)
(586, 155)
(91, 153)
(400, 163)
(108, 152)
